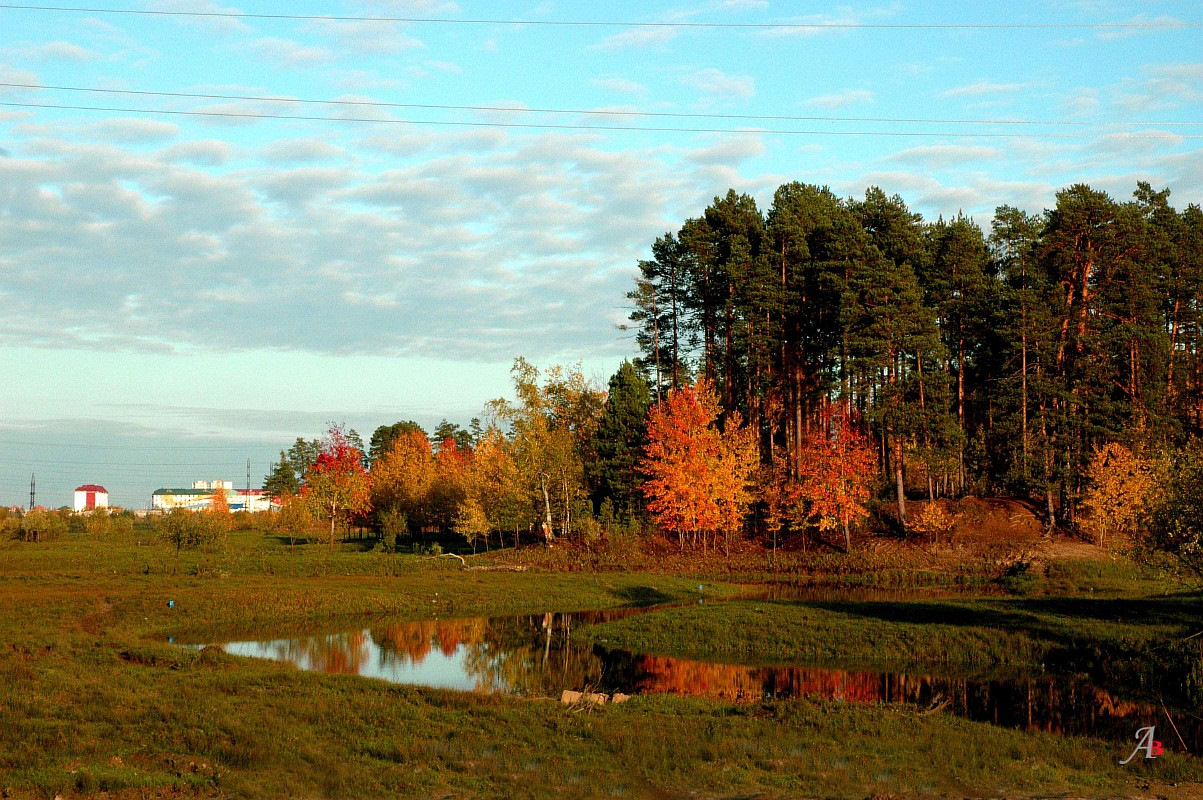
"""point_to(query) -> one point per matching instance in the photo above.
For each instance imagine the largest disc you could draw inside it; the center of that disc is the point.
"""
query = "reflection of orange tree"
(1042, 704)
(343, 653)
(413, 641)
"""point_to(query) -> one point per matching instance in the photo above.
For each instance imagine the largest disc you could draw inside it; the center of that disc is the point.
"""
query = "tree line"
(987, 363)
(800, 365)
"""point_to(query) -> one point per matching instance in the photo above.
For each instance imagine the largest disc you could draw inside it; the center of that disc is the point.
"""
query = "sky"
(222, 229)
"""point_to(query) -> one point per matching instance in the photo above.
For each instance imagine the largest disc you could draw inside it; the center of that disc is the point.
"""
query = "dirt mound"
(995, 519)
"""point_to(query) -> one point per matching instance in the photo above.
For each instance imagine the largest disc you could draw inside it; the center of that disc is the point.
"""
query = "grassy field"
(94, 701)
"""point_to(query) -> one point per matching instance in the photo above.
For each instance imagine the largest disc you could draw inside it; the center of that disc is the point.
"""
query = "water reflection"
(537, 656)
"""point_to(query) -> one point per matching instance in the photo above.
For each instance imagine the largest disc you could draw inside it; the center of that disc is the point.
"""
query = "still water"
(538, 655)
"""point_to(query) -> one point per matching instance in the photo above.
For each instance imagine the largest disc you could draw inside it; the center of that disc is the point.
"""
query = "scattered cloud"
(618, 85)
(288, 54)
(835, 21)
(215, 22)
(729, 151)
(984, 89)
(132, 130)
(637, 38)
(294, 151)
(712, 81)
(50, 51)
(1148, 25)
(1083, 102)
(850, 97)
(368, 38)
(946, 155)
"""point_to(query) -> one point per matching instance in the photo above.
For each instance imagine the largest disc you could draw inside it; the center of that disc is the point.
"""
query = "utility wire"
(591, 112)
(1166, 24)
(572, 127)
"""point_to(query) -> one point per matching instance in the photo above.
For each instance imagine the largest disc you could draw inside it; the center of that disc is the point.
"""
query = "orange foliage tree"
(336, 486)
(401, 479)
(449, 488)
(698, 476)
(833, 483)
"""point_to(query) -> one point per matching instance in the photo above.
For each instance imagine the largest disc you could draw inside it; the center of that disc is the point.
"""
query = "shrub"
(933, 521)
(41, 525)
(193, 530)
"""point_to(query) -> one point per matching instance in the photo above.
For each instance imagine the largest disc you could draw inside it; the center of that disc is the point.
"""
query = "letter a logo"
(1145, 741)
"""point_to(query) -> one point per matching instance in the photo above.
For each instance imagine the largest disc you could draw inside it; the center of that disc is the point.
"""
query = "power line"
(591, 112)
(234, 448)
(574, 127)
(1151, 25)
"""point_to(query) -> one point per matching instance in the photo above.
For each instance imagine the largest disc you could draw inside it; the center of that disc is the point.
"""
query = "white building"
(90, 496)
(200, 497)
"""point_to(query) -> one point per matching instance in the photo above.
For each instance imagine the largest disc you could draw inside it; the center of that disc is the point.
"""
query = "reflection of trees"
(528, 655)
(342, 653)
(1061, 706)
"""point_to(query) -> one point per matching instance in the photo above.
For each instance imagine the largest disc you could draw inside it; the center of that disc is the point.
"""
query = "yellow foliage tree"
(1122, 486)
(933, 521)
(401, 479)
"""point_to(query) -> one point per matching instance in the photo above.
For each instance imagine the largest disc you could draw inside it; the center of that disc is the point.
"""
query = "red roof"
(91, 487)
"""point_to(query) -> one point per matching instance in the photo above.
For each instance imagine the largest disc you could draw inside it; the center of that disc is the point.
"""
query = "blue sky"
(182, 292)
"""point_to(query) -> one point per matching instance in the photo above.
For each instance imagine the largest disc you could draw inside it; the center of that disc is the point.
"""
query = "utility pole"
(32, 490)
(246, 502)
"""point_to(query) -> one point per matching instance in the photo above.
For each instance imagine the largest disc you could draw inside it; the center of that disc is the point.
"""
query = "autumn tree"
(449, 484)
(551, 424)
(1122, 486)
(337, 486)
(494, 482)
(698, 475)
(471, 522)
(401, 478)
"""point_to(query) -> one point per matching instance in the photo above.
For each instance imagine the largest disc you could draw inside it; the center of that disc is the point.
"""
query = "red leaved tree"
(336, 486)
(836, 474)
(698, 476)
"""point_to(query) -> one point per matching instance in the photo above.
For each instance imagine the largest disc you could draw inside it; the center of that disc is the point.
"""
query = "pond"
(538, 655)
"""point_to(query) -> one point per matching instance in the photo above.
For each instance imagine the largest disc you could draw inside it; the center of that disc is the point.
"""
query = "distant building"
(90, 496)
(200, 497)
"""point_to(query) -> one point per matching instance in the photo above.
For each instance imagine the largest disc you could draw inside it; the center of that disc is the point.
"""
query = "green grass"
(93, 701)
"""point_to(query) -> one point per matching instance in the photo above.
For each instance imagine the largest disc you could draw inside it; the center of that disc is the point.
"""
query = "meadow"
(95, 701)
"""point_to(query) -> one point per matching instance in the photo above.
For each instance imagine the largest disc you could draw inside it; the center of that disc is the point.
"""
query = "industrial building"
(200, 497)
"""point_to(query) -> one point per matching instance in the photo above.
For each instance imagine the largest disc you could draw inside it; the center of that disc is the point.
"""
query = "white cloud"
(712, 81)
(729, 151)
(289, 54)
(637, 38)
(216, 23)
(942, 156)
(984, 89)
(618, 85)
(133, 130)
(836, 21)
(50, 51)
(849, 97)
(291, 151)
(366, 37)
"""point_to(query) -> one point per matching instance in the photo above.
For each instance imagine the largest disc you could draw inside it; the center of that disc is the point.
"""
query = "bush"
(295, 521)
(1176, 522)
(393, 525)
(40, 525)
(194, 530)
